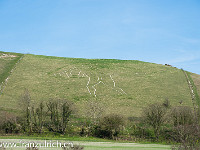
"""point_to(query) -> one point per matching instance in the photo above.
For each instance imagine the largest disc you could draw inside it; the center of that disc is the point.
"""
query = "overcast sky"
(159, 31)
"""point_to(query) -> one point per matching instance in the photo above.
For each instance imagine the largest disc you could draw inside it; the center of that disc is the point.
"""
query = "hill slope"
(124, 86)
(8, 62)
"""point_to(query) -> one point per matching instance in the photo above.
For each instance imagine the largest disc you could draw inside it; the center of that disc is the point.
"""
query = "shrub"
(59, 113)
(188, 136)
(154, 115)
(109, 126)
(8, 123)
(186, 128)
(182, 115)
(75, 147)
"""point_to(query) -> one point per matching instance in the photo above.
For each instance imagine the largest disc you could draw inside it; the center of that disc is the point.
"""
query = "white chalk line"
(87, 86)
(112, 80)
(99, 80)
(95, 88)
(114, 85)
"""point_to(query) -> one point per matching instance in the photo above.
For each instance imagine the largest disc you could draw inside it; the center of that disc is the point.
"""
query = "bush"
(109, 126)
(143, 132)
(8, 123)
(166, 134)
(182, 115)
(75, 147)
(59, 113)
(154, 115)
(188, 136)
(186, 128)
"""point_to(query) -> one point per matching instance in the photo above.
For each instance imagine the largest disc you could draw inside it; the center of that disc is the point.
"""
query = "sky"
(158, 31)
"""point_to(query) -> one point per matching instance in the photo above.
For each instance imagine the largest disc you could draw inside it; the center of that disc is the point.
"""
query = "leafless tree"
(186, 128)
(154, 115)
(187, 136)
(182, 115)
(94, 110)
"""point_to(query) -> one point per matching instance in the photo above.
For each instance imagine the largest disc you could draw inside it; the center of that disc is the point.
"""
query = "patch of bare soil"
(6, 55)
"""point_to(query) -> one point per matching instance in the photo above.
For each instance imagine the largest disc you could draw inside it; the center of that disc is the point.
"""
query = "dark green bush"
(109, 126)
(8, 123)
(143, 132)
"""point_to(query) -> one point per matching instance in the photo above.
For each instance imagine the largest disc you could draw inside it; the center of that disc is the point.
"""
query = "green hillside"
(122, 86)
(8, 62)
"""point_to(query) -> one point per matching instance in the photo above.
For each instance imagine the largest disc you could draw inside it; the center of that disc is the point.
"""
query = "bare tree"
(94, 111)
(182, 115)
(187, 136)
(25, 100)
(154, 115)
(186, 128)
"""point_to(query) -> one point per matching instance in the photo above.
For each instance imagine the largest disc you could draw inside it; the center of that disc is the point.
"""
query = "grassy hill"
(120, 86)
(8, 62)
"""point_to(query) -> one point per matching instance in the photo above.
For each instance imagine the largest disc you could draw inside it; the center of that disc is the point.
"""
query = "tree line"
(159, 122)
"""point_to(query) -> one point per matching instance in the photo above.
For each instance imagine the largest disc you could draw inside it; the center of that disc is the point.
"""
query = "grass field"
(87, 145)
(124, 86)
(7, 63)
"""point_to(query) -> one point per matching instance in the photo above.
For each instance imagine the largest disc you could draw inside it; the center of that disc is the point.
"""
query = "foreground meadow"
(89, 145)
